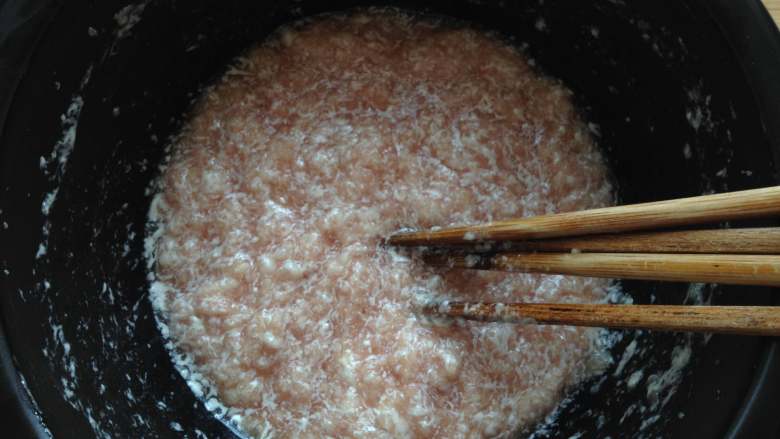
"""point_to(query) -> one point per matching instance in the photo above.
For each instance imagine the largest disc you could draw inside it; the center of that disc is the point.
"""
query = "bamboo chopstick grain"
(761, 240)
(593, 243)
(683, 211)
(743, 320)
(724, 269)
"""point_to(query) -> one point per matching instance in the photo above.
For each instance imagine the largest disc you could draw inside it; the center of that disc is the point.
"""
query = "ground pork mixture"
(314, 146)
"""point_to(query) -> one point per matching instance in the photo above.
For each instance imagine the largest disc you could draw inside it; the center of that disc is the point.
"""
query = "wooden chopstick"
(724, 269)
(759, 240)
(743, 320)
(592, 243)
(728, 206)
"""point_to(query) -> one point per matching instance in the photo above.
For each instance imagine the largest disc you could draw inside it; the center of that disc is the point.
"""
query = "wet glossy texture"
(316, 145)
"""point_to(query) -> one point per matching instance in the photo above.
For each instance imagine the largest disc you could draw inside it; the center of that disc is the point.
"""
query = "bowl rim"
(754, 40)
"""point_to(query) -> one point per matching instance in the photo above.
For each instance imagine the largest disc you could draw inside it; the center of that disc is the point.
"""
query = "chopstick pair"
(596, 243)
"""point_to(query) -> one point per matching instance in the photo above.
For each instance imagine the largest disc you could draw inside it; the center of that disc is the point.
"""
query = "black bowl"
(684, 98)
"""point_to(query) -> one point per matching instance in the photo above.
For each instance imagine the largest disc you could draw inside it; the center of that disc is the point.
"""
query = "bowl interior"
(109, 84)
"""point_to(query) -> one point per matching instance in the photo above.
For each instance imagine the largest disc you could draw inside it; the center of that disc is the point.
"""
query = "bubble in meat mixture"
(318, 143)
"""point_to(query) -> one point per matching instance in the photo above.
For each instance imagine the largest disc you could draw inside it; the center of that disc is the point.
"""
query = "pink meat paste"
(328, 137)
